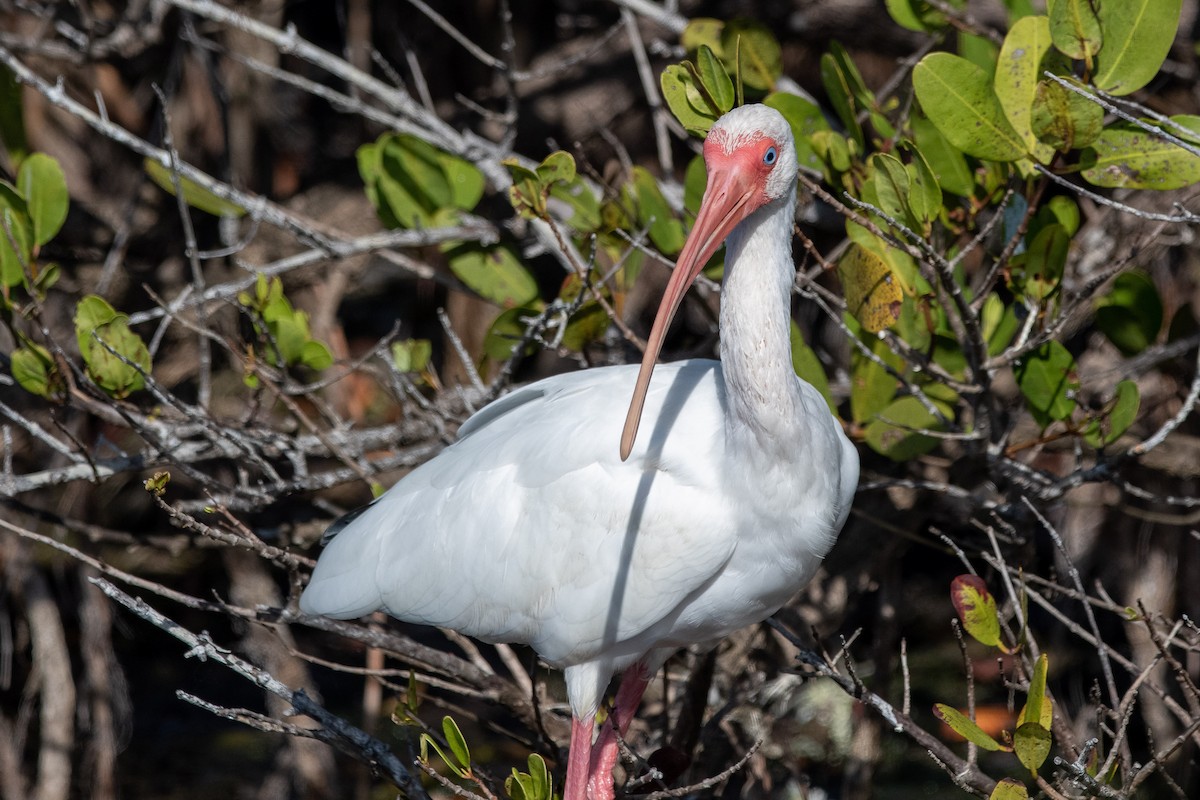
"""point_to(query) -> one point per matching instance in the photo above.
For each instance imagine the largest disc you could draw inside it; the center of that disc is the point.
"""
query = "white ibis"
(532, 528)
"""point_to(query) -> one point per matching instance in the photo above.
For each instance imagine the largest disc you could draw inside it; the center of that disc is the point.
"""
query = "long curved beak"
(729, 197)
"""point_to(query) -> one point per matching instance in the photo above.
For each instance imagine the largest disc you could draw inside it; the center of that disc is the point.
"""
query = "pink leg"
(604, 755)
(579, 758)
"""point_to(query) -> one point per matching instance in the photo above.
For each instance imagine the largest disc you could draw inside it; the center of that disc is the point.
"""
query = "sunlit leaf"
(1009, 789)
(976, 609)
(958, 98)
(714, 78)
(494, 273)
(753, 45)
(1017, 71)
(1032, 743)
(40, 180)
(1075, 28)
(1137, 35)
(1126, 155)
(965, 727)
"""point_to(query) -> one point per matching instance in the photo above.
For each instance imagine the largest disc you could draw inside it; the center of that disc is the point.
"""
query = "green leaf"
(370, 168)
(1039, 270)
(948, 163)
(1046, 379)
(1117, 417)
(466, 181)
(965, 727)
(871, 386)
(194, 195)
(873, 290)
(925, 196)
(585, 326)
(841, 97)
(106, 367)
(91, 312)
(980, 51)
(586, 206)
(1131, 315)
(458, 744)
(676, 82)
(1063, 119)
(1137, 36)
(412, 181)
(1037, 706)
(506, 332)
(428, 742)
(418, 165)
(1075, 28)
(526, 194)
(702, 31)
(999, 323)
(895, 430)
(958, 98)
(808, 367)
(316, 355)
(1009, 789)
(12, 117)
(805, 118)
(34, 369)
(494, 273)
(1125, 155)
(15, 229)
(412, 355)
(753, 44)
(40, 180)
(666, 231)
(976, 609)
(1031, 743)
(1016, 80)
(1060, 210)
(917, 15)
(715, 78)
(557, 167)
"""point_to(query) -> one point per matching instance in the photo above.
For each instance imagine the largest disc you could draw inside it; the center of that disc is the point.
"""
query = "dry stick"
(650, 87)
(969, 671)
(190, 248)
(1175, 421)
(334, 731)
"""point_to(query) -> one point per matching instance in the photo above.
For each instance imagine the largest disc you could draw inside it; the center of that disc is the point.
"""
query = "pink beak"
(731, 194)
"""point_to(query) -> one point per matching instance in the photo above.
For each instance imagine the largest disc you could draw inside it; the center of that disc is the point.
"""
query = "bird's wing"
(531, 529)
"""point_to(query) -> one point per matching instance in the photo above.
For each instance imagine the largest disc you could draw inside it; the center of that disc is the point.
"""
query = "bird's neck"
(761, 389)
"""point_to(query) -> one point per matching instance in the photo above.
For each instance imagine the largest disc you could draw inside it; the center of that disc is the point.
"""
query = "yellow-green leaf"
(1031, 743)
(965, 727)
(873, 291)
(494, 273)
(1017, 71)
(1075, 28)
(958, 98)
(1127, 156)
(1009, 789)
(1137, 35)
(40, 179)
(976, 608)
(195, 195)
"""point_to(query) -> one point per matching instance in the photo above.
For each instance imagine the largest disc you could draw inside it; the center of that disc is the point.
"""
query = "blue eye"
(769, 156)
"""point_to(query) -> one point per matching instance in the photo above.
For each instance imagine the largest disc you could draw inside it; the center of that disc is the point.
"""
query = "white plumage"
(532, 528)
